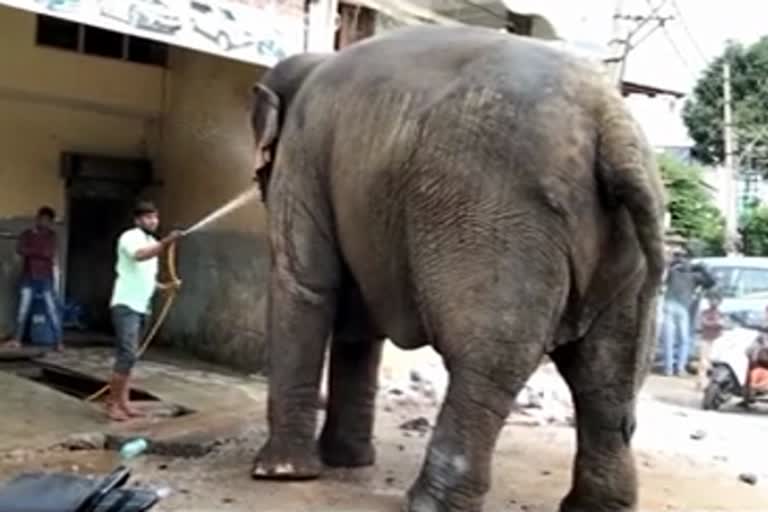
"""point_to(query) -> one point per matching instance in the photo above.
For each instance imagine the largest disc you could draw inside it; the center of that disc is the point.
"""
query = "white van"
(742, 282)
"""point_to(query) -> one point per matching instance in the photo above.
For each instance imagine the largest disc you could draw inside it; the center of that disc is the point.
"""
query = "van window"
(754, 280)
(726, 279)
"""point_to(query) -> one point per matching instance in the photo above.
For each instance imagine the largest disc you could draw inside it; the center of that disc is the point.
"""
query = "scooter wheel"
(713, 397)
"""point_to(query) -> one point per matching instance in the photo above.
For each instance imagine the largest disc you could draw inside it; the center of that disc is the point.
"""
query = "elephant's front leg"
(347, 437)
(300, 312)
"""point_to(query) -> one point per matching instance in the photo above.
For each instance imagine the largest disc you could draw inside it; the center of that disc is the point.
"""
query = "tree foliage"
(703, 112)
(691, 207)
(754, 231)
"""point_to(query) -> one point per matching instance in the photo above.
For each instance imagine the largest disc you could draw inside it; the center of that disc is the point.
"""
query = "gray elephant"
(475, 191)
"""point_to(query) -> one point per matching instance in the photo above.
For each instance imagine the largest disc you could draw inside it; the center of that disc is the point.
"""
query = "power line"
(687, 29)
(674, 45)
(628, 42)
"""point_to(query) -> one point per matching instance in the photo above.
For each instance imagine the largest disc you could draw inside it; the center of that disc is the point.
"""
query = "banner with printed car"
(258, 31)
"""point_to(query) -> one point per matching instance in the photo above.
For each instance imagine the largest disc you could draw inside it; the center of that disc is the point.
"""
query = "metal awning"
(628, 88)
(407, 12)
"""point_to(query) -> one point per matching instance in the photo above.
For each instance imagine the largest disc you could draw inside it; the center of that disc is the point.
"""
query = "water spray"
(228, 207)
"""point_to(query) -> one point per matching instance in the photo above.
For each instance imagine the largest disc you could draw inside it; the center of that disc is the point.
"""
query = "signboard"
(258, 31)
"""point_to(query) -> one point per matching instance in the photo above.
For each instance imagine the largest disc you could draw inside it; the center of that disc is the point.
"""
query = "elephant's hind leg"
(488, 366)
(604, 372)
(456, 473)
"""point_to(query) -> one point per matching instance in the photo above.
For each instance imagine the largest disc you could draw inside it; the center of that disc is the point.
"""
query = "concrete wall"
(205, 159)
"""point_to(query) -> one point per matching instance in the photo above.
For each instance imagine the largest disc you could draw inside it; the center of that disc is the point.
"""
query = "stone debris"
(748, 478)
(545, 399)
(698, 435)
(420, 425)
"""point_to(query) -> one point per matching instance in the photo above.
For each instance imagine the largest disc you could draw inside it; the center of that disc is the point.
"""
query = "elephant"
(472, 190)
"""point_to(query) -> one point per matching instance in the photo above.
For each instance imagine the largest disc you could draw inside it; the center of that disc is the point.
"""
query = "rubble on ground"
(748, 478)
(545, 399)
(419, 425)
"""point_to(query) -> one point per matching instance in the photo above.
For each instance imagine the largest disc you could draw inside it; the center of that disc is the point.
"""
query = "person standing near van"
(712, 324)
(137, 270)
(682, 281)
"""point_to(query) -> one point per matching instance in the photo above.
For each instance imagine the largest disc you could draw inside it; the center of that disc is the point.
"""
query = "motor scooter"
(730, 362)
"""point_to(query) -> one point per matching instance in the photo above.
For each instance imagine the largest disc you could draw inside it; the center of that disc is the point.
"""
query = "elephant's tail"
(629, 176)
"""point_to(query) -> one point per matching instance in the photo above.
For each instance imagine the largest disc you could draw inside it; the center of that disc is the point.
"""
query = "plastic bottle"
(133, 448)
(163, 492)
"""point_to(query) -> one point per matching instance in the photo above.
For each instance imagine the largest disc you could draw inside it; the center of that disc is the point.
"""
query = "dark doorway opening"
(101, 192)
(95, 225)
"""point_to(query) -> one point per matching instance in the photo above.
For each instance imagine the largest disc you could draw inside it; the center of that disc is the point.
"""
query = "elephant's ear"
(265, 116)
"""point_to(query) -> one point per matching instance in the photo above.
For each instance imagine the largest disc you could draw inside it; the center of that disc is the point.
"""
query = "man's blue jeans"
(30, 288)
(676, 333)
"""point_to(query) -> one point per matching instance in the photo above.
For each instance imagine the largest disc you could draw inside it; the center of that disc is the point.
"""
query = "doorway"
(101, 192)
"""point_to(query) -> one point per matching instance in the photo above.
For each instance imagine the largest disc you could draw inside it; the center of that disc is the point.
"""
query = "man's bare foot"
(13, 344)
(59, 347)
(116, 413)
(131, 411)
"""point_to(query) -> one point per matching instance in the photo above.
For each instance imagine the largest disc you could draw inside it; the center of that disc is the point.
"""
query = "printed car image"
(59, 5)
(270, 48)
(220, 25)
(155, 15)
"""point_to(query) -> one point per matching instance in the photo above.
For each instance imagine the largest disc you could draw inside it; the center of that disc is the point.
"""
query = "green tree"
(754, 231)
(691, 207)
(703, 112)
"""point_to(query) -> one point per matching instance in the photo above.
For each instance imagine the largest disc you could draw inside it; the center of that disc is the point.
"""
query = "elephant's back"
(429, 62)
(441, 133)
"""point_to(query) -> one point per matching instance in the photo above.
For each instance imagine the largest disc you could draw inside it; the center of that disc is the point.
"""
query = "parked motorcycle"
(730, 362)
(70, 492)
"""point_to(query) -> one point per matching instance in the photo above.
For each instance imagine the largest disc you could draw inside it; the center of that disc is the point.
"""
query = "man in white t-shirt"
(137, 269)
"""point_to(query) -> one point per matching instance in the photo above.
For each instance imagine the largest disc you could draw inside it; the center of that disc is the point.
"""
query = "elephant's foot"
(421, 498)
(286, 460)
(346, 453)
(596, 491)
(575, 503)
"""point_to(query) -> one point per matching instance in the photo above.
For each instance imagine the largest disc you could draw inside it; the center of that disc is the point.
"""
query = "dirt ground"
(688, 460)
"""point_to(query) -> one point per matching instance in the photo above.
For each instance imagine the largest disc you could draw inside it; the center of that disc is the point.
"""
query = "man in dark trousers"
(37, 248)
(683, 281)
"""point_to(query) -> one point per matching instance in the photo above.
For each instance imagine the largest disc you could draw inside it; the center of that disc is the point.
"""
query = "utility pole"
(731, 220)
(616, 44)
(622, 45)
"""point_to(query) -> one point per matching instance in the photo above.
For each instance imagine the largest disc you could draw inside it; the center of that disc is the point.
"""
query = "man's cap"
(144, 207)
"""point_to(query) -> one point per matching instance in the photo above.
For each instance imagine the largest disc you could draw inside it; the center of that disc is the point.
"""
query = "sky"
(699, 35)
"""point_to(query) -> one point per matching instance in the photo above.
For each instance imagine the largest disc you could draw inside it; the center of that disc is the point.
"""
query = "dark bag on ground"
(62, 492)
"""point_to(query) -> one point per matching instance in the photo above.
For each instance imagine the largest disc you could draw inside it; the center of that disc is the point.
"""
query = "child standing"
(711, 329)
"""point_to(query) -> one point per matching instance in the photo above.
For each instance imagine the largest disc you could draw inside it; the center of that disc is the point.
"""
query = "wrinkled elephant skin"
(476, 191)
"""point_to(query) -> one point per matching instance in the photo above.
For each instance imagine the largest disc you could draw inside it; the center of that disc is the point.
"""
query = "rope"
(171, 261)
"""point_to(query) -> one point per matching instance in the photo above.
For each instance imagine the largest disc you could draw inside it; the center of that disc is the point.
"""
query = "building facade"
(94, 116)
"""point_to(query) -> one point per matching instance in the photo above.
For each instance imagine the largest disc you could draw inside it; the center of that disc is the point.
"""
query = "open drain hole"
(82, 386)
